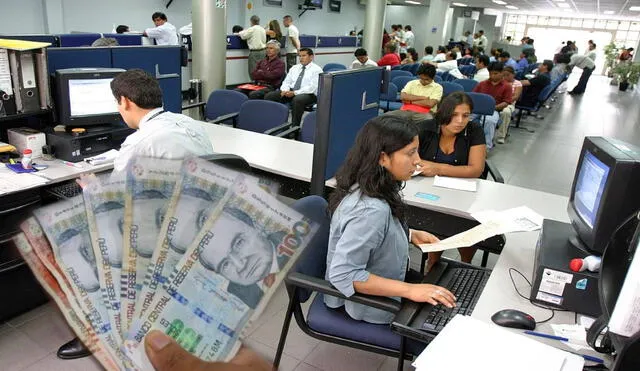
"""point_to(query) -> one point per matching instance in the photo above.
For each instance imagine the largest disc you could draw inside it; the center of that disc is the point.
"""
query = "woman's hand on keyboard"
(432, 294)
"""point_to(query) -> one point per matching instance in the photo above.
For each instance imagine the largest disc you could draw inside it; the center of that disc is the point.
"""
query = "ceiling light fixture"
(563, 5)
(459, 4)
(609, 12)
(412, 2)
(499, 2)
(635, 8)
(511, 7)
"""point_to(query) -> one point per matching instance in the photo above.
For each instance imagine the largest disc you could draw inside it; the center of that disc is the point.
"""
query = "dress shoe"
(73, 349)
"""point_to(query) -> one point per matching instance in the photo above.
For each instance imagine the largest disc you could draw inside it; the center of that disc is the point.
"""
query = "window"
(554, 21)
(587, 23)
(565, 22)
(542, 21)
(532, 19)
(576, 22)
(601, 23)
(634, 26)
(623, 25)
(612, 25)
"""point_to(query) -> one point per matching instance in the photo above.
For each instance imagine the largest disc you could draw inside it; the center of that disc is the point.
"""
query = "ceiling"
(620, 8)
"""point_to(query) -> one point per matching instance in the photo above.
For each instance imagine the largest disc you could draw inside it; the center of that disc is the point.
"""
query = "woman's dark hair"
(274, 26)
(448, 106)
(414, 54)
(386, 134)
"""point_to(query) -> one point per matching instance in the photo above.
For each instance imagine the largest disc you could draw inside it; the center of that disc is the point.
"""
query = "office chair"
(305, 132)
(397, 73)
(414, 68)
(438, 79)
(401, 81)
(467, 84)
(334, 67)
(260, 116)
(406, 67)
(483, 104)
(450, 87)
(468, 70)
(535, 106)
(388, 100)
(222, 103)
(322, 322)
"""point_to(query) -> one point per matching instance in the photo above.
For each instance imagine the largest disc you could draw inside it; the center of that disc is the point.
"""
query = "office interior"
(542, 160)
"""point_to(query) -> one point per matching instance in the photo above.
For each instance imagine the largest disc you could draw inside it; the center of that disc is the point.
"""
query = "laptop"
(423, 321)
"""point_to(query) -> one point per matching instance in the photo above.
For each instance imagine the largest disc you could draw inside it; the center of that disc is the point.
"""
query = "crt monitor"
(83, 96)
(604, 191)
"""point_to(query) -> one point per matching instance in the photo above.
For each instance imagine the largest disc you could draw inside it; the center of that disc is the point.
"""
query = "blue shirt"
(364, 238)
(522, 64)
(511, 63)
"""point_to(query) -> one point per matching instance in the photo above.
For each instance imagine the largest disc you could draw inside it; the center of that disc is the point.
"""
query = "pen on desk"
(589, 358)
(68, 163)
(547, 336)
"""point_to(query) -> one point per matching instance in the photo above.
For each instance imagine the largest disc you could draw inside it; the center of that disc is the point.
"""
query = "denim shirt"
(364, 238)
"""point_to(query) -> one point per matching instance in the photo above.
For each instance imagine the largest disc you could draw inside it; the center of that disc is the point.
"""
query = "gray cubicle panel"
(346, 101)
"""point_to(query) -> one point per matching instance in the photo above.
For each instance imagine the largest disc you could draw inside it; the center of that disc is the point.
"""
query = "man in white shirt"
(164, 32)
(409, 37)
(591, 51)
(256, 37)
(292, 41)
(299, 87)
(587, 65)
(160, 133)
(441, 55)
(450, 65)
(482, 42)
(362, 60)
(482, 73)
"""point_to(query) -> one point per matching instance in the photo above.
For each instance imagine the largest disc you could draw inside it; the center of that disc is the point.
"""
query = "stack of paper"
(103, 158)
(10, 182)
(488, 347)
(455, 183)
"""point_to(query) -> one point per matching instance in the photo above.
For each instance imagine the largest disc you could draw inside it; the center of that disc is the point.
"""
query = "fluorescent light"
(499, 2)
(412, 2)
(559, 1)
(511, 7)
(635, 8)
(563, 5)
(568, 10)
(609, 12)
(458, 4)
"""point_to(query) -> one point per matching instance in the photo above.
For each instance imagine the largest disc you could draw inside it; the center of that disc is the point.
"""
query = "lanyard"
(155, 115)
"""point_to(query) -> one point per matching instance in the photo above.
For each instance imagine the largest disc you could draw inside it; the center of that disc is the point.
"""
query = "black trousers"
(298, 103)
(255, 94)
(584, 78)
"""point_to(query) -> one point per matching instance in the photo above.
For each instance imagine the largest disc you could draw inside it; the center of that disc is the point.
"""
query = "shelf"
(23, 115)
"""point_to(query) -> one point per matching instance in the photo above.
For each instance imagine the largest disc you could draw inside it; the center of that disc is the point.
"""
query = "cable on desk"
(553, 310)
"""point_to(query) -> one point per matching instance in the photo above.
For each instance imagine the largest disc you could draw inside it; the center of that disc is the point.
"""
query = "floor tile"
(17, 351)
(53, 363)
(31, 315)
(328, 356)
(306, 367)
(49, 331)
(391, 364)
(287, 363)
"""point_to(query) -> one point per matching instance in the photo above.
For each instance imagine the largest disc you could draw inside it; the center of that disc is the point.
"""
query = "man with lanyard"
(292, 42)
(256, 37)
(164, 33)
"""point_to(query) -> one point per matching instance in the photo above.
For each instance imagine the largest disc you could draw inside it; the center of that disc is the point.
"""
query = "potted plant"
(610, 56)
(627, 73)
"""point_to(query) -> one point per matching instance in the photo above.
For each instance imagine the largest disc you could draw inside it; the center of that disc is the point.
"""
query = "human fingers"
(444, 296)
(166, 355)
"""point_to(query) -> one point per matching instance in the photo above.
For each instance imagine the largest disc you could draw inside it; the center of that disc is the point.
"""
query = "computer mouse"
(514, 319)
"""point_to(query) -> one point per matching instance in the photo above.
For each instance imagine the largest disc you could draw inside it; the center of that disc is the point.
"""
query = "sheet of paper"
(467, 238)
(10, 182)
(489, 347)
(470, 185)
(103, 158)
(5, 73)
(576, 334)
(625, 319)
(517, 219)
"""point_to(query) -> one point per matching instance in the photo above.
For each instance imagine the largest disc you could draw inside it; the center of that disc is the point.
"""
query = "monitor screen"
(592, 179)
(88, 97)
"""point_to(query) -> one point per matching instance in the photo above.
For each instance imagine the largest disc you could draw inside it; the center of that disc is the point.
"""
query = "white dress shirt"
(481, 75)
(164, 34)
(440, 57)
(166, 135)
(256, 37)
(451, 67)
(292, 32)
(309, 83)
(357, 65)
(409, 39)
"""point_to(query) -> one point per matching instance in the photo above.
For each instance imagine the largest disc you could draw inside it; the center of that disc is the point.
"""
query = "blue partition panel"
(125, 39)
(163, 62)
(51, 39)
(307, 41)
(59, 58)
(346, 101)
(336, 41)
(78, 39)
(235, 42)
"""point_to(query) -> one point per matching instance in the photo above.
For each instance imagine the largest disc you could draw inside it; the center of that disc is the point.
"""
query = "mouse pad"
(19, 169)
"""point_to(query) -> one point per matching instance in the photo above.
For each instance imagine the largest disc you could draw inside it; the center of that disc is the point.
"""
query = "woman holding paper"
(368, 237)
(452, 146)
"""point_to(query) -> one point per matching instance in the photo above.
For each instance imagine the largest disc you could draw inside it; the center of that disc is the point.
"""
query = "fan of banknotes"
(186, 247)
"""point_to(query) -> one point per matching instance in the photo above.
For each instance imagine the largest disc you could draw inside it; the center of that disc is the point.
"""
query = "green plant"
(626, 71)
(610, 55)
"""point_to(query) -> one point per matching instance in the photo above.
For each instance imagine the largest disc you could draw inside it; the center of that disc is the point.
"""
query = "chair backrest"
(223, 102)
(391, 94)
(397, 67)
(450, 87)
(446, 76)
(545, 93)
(397, 73)
(333, 69)
(313, 261)
(438, 79)
(467, 84)
(483, 104)
(401, 81)
(406, 67)
(334, 66)
(467, 70)
(414, 68)
(465, 61)
(308, 130)
(262, 115)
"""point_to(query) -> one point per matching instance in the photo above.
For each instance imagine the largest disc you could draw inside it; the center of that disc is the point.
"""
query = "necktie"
(296, 86)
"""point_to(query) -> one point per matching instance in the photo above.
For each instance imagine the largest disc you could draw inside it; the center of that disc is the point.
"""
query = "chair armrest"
(223, 118)
(495, 173)
(277, 129)
(287, 132)
(323, 286)
(193, 105)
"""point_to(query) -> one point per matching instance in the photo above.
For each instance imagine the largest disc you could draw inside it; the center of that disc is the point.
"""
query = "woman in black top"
(452, 146)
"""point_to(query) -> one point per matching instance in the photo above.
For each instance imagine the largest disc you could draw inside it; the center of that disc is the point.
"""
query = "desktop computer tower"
(554, 284)
(75, 148)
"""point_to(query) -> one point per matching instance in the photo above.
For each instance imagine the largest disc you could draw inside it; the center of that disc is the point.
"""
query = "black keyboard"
(65, 190)
(466, 285)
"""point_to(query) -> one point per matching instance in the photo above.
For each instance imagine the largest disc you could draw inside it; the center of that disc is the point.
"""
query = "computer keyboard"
(466, 285)
(65, 190)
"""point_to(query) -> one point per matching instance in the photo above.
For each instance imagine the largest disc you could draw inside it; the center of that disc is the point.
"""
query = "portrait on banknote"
(194, 207)
(76, 252)
(109, 219)
(150, 206)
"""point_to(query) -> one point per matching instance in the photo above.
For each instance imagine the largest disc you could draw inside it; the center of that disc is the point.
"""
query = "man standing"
(362, 60)
(268, 72)
(482, 74)
(502, 92)
(482, 42)
(409, 37)
(299, 87)
(587, 65)
(164, 32)
(390, 58)
(256, 37)
(292, 41)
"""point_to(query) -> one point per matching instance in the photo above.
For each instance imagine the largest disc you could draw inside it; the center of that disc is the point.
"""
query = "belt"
(256, 50)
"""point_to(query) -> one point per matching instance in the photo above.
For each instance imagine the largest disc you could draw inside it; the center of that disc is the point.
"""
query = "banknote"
(149, 187)
(65, 225)
(227, 275)
(53, 288)
(104, 203)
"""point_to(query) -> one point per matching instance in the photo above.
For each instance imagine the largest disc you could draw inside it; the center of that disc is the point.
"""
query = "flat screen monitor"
(84, 98)
(604, 191)
(314, 3)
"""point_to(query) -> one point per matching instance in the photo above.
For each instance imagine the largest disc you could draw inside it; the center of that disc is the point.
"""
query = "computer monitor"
(83, 96)
(605, 191)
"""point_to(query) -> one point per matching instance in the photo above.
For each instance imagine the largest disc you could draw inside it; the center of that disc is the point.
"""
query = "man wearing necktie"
(299, 86)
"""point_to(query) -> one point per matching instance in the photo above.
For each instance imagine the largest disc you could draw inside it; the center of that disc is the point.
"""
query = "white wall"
(409, 15)
(21, 17)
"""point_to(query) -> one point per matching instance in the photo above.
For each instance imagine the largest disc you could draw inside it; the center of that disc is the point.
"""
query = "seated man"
(299, 87)
(422, 92)
(362, 60)
(450, 65)
(268, 72)
(502, 92)
(523, 63)
(482, 74)
(507, 61)
(390, 58)
(441, 56)
(531, 88)
(509, 75)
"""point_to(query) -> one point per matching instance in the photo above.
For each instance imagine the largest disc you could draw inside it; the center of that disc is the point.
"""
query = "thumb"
(166, 355)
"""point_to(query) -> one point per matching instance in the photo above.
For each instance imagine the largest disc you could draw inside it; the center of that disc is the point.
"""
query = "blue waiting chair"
(438, 79)
(468, 70)
(535, 107)
(260, 116)
(222, 103)
(467, 84)
(406, 67)
(483, 104)
(388, 100)
(414, 68)
(401, 81)
(450, 87)
(397, 73)
(334, 66)
(322, 322)
(306, 132)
